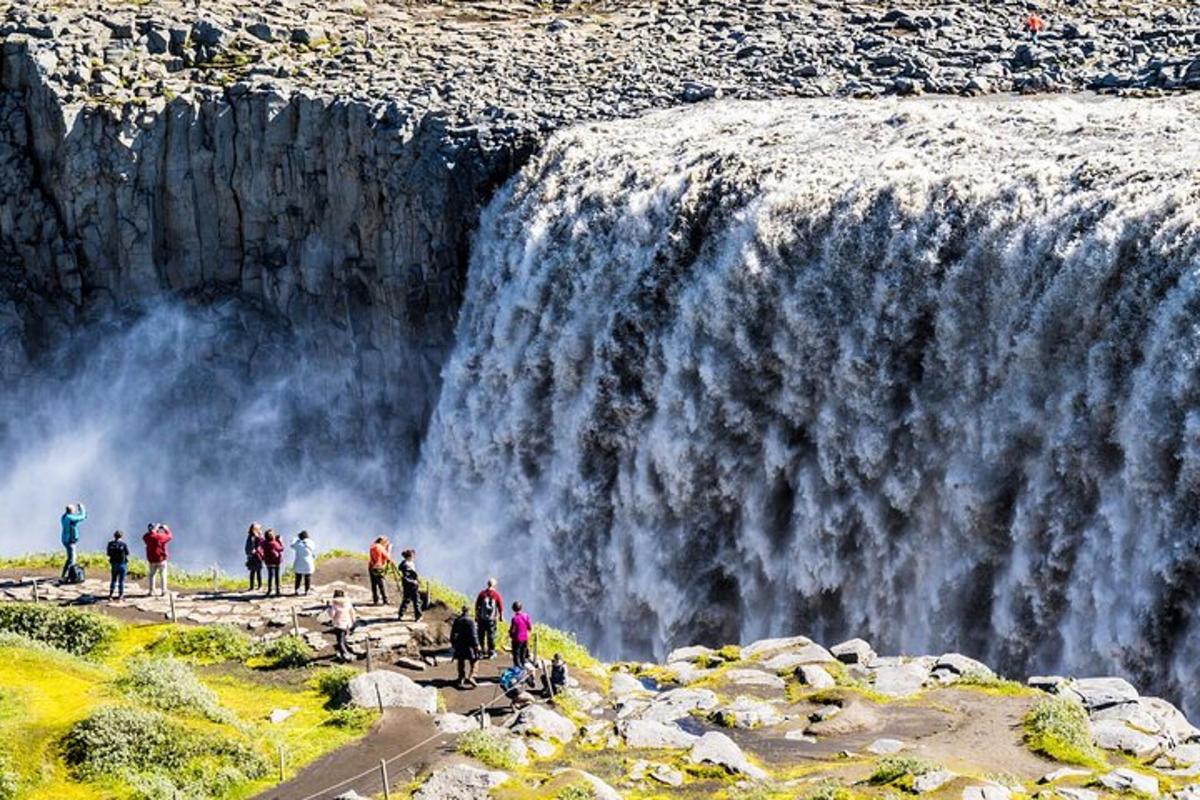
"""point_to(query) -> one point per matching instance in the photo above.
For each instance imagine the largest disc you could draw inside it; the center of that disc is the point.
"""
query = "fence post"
(535, 646)
(370, 661)
(295, 622)
(483, 717)
(214, 570)
(35, 590)
(379, 697)
(387, 793)
(281, 764)
(171, 600)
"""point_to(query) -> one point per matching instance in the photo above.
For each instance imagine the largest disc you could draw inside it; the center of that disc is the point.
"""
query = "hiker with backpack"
(118, 564)
(156, 538)
(70, 521)
(272, 558)
(410, 585)
(464, 641)
(305, 563)
(518, 631)
(378, 564)
(518, 683)
(343, 617)
(489, 613)
(254, 555)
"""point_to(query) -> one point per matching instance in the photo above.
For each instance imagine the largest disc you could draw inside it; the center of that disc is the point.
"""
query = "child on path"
(410, 585)
(489, 613)
(254, 555)
(156, 538)
(380, 558)
(558, 674)
(464, 640)
(70, 534)
(343, 617)
(272, 557)
(118, 563)
(305, 563)
(518, 630)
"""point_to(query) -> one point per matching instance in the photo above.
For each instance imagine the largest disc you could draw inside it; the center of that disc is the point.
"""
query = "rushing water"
(924, 372)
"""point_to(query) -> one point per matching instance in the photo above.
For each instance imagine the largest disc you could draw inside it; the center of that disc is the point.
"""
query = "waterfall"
(920, 371)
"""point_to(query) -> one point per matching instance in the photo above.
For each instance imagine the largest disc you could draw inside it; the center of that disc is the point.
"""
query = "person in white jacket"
(306, 561)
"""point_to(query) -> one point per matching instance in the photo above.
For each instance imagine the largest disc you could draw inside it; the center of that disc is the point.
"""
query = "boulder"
(809, 654)
(1074, 793)
(755, 677)
(814, 676)
(395, 690)
(1100, 693)
(460, 782)
(454, 723)
(747, 712)
(622, 683)
(717, 748)
(686, 672)
(854, 651)
(689, 653)
(901, 681)
(1171, 721)
(573, 777)
(1126, 780)
(1113, 734)
(1064, 772)
(932, 781)
(546, 723)
(764, 647)
(989, 792)
(541, 748)
(678, 703)
(654, 735)
(1051, 684)
(961, 665)
(885, 747)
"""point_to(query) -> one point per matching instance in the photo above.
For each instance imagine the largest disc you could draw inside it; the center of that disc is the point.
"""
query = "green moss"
(893, 769)
(170, 685)
(334, 684)
(285, 652)
(211, 644)
(10, 783)
(490, 748)
(993, 684)
(352, 718)
(80, 633)
(1058, 727)
(577, 791)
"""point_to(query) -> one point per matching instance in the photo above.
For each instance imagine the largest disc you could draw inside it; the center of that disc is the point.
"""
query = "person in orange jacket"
(1034, 25)
(380, 560)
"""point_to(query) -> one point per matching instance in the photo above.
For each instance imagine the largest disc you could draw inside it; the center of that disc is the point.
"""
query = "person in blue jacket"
(70, 533)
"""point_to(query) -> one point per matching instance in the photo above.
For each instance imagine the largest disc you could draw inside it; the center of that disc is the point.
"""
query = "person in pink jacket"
(519, 629)
(343, 618)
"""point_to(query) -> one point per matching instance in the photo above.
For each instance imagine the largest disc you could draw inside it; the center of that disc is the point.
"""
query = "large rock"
(1101, 693)
(932, 781)
(959, 664)
(396, 691)
(988, 792)
(678, 703)
(854, 651)
(717, 748)
(815, 677)
(754, 677)
(1126, 780)
(903, 680)
(622, 683)
(764, 647)
(1113, 734)
(549, 724)
(809, 654)
(573, 777)
(747, 712)
(651, 734)
(691, 653)
(460, 782)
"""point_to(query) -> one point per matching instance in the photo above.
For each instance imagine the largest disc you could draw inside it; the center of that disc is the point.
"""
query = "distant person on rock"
(1034, 25)
(272, 558)
(489, 613)
(156, 538)
(379, 561)
(518, 631)
(306, 561)
(343, 618)
(118, 564)
(558, 674)
(410, 585)
(464, 641)
(71, 519)
(254, 555)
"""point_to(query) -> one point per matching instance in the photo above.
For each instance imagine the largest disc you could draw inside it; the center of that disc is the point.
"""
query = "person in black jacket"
(118, 562)
(410, 584)
(464, 641)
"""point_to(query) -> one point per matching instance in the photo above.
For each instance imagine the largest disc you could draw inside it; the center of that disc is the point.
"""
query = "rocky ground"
(774, 718)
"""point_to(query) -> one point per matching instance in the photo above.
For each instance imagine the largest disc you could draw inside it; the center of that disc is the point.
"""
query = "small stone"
(281, 714)
(932, 781)
(1126, 780)
(460, 781)
(717, 748)
(989, 792)
(1064, 772)
(885, 747)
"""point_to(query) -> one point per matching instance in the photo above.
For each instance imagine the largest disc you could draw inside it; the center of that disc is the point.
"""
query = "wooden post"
(535, 646)
(214, 570)
(483, 716)
(281, 764)
(35, 590)
(546, 678)
(379, 697)
(387, 792)
(295, 622)
(370, 661)
(171, 600)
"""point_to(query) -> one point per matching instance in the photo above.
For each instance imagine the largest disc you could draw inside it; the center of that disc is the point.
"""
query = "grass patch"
(96, 564)
(992, 684)
(80, 633)
(488, 748)
(893, 769)
(352, 718)
(334, 684)
(210, 644)
(1058, 727)
(170, 685)
(284, 653)
(829, 790)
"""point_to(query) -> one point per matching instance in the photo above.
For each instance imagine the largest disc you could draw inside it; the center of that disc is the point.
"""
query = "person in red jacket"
(156, 538)
(489, 613)
(1034, 26)
(272, 550)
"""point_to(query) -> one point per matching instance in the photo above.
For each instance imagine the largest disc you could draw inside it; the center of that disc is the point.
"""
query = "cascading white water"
(921, 371)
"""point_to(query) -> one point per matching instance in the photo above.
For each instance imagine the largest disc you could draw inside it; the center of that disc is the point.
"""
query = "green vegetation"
(352, 718)
(577, 791)
(97, 564)
(80, 633)
(210, 644)
(1058, 727)
(9, 783)
(334, 684)
(892, 769)
(993, 684)
(158, 756)
(490, 748)
(169, 685)
(829, 790)
(285, 652)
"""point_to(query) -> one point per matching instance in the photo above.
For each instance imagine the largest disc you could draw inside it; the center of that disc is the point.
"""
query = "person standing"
(558, 674)
(518, 631)
(70, 521)
(489, 613)
(272, 558)
(254, 555)
(156, 538)
(305, 563)
(464, 641)
(343, 617)
(379, 560)
(410, 585)
(118, 564)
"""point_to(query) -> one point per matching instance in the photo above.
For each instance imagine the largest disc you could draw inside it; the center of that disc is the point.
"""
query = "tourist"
(380, 559)
(343, 617)
(517, 683)
(70, 536)
(118, 564)
(156, 538)
(489, 613)
(1034, 25)
(305, 563)
(558, 674)
(518, 631)
(254, 555)
(464, 640)
(272, 558)
(410, 585)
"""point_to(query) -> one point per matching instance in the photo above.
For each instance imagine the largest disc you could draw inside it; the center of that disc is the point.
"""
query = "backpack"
(486, 608)
(75, 574)
(511, 677)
